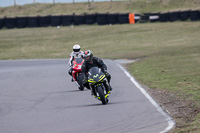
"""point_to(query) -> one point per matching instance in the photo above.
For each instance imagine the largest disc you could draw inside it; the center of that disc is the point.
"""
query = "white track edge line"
(170, 121)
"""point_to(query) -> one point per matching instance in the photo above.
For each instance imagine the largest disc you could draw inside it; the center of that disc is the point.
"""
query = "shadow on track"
(69, 91)
(100, 104)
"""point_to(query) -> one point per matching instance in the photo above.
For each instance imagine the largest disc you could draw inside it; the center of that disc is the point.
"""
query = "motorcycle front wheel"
(102, 95)
(80, 82)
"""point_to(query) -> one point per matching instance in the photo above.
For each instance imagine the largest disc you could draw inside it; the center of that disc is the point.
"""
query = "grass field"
(169, 53)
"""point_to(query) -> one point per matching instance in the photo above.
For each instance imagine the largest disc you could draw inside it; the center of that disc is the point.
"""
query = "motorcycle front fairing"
(77, 63)
(96, 76)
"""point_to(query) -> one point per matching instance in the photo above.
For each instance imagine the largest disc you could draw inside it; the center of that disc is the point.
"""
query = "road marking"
(170, 121)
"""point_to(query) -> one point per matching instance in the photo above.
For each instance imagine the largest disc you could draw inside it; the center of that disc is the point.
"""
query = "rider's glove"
(106, 73)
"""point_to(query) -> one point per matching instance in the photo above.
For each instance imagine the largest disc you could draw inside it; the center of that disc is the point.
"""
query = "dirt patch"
(182, 111)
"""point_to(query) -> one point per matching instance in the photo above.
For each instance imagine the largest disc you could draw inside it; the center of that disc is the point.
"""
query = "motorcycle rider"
(75, 53)
(90, 62)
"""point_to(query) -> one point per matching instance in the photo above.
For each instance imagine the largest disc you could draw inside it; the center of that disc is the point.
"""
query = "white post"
(89, 4)
(14, 2)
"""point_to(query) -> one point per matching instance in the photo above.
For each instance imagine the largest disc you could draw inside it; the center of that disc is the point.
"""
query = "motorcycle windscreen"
(78, 60)
(95, 73)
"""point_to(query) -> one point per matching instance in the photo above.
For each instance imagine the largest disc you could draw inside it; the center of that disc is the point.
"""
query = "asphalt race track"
(37, 96)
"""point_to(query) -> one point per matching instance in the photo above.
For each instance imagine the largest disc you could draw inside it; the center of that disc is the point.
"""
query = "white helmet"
(76, 48)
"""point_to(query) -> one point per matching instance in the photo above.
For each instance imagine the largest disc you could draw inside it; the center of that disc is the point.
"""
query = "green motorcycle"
(99, 84)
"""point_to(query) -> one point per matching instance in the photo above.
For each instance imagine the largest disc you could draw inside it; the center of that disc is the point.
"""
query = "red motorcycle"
(76, 73)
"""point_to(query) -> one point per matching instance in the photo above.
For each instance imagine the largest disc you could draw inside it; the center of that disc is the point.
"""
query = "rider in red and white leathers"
(76, 53)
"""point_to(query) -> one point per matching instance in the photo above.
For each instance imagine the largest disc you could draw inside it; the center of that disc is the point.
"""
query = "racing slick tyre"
(102, 95)
(80, 82)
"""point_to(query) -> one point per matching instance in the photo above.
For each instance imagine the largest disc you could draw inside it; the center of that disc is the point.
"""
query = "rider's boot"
(111, 88)
(93, 93)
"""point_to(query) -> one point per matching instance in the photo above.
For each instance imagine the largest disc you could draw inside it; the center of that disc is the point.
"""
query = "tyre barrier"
(10, 23)
(55, 20)
(33, 21)
(2, 21)
(137, 17)
(67, 20)
(123, 18)
(102, 19)
(79, 19)
(164, 17)
(113, 18)
(199, 14)
(154, 17)
(90, 18)
(44, 21)
(21, 22)
(174, 16)
(184, 15)
(194, 15)
(145, 18)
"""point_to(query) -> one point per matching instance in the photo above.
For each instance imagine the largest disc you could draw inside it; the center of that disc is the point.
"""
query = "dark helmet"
(88, 55)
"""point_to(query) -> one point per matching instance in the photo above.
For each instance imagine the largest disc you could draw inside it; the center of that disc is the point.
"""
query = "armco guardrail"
(99, 18)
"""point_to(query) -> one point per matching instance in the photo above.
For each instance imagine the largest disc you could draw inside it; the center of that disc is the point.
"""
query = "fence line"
(72, 1)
